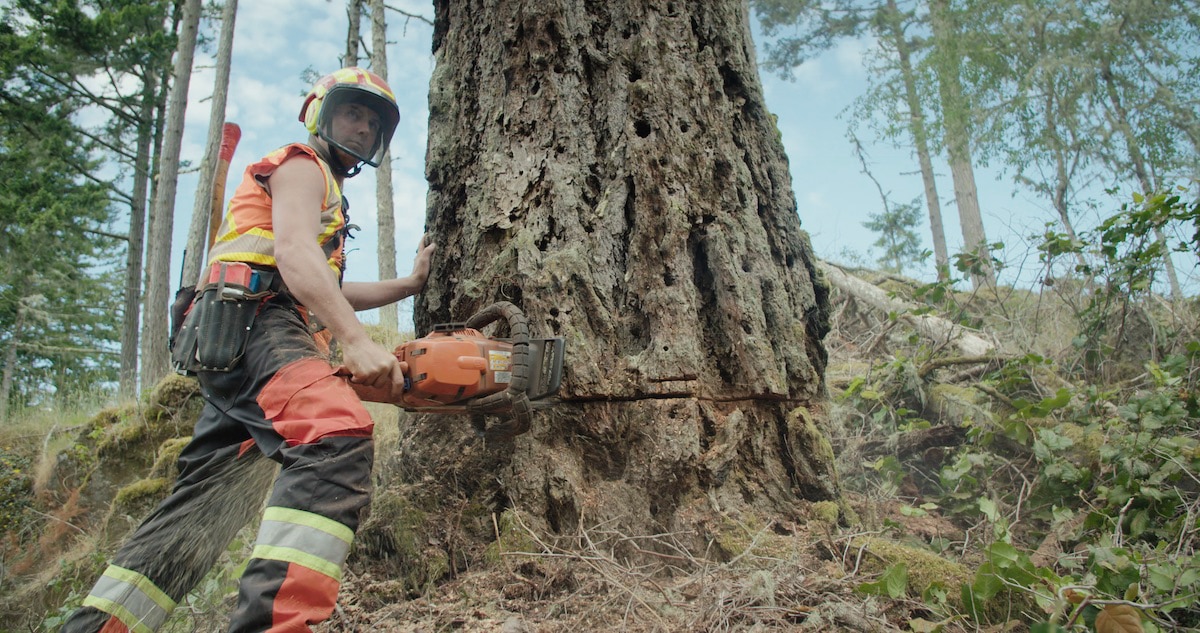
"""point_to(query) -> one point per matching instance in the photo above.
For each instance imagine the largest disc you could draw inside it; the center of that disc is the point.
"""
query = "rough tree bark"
(611, 168)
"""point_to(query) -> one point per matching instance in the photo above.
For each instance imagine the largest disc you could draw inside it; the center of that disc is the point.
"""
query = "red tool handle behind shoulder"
(231, 134)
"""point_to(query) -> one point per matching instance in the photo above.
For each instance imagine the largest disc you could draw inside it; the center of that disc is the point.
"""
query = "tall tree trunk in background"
(389, 318)
(202, 216)
(10, 359)
(920, 136)
(127, 385)
(612, 169)
(353, 32)
(1121, 123)
(162, 214)
(1065, 151)
(955, 114)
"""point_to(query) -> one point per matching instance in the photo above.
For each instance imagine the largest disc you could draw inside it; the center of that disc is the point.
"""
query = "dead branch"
(933, 328)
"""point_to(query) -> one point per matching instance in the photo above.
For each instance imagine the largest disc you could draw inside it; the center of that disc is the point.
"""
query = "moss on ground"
(925, 568)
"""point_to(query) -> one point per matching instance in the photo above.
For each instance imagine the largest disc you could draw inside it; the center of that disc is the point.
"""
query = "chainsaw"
(455, 369)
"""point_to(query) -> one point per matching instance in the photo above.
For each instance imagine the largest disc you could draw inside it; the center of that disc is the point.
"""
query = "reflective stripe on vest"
(304, 538)
(131, 598)
(246, 233)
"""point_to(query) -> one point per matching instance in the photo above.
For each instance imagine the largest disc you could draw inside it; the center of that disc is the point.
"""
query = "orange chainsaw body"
(451, 366)
(457, 369)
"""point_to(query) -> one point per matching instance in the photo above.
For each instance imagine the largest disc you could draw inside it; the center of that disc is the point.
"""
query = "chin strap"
(335, 165)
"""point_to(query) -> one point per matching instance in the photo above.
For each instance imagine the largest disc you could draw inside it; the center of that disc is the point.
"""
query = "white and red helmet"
(351, 85)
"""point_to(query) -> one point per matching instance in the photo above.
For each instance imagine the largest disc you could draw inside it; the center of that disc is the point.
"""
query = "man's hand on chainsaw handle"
(297, 189)
(368, 363)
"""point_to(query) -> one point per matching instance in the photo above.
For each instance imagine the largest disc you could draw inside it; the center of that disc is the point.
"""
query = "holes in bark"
(561, 513)
(668, 278)
(537, 86)
(635, 73)
(721, 172)
(684, 127)
(732, 83)
(630, 203)
(713, 329)
(544, 242)
(642, 128)
(746, 267)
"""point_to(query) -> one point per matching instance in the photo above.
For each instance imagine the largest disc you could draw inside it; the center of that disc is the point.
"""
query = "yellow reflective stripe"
(304, 559)
(244, 256)
(132, 598)
(309, 519)
(257, 232)
(304, 538)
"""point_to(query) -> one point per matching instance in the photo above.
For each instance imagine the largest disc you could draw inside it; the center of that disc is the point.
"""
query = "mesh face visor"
(388, 119)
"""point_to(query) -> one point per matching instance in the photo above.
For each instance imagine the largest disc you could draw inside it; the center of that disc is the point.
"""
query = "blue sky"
(277, 39)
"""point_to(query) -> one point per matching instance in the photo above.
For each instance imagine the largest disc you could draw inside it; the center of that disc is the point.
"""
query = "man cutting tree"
(257, 338)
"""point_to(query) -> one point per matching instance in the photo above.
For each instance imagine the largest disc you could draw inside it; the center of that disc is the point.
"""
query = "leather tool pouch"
(215, 331)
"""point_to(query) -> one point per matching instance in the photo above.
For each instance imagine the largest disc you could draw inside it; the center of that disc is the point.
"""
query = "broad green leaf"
(895, 580)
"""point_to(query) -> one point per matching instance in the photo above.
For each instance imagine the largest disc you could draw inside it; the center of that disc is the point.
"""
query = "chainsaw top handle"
(515, 399)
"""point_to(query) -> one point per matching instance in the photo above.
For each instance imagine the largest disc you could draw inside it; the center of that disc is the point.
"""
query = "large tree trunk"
(203, 216)
(611, 168)
(385, 206)
(162, 216)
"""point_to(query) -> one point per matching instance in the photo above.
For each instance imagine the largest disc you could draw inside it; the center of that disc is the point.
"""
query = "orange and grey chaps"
(281, 400)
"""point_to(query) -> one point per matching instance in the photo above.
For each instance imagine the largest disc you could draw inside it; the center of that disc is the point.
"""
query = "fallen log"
(936, 329)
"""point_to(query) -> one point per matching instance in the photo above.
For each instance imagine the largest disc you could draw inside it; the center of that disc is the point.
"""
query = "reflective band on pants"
(304, 538)
(131, 598)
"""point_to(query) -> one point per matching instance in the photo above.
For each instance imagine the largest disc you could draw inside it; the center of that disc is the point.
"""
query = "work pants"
(282, 400)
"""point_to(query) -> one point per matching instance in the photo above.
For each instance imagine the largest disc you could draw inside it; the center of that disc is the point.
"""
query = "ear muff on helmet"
(351, 85)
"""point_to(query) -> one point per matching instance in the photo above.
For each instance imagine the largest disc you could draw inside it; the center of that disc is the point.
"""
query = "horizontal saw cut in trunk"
(611, 169)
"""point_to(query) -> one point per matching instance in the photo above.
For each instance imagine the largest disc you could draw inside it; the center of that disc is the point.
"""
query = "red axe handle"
(230, 135)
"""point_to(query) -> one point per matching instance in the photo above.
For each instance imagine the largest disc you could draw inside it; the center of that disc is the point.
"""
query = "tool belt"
(211, 323)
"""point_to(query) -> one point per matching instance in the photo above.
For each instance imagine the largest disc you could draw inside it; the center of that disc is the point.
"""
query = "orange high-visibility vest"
(246, 233)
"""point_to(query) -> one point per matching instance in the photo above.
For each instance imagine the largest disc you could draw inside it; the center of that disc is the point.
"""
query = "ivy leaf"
(1119, 618)
(892, 583)
(988, 508)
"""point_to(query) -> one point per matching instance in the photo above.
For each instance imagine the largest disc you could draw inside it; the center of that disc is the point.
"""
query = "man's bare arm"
(297, 188)
(367, 295)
